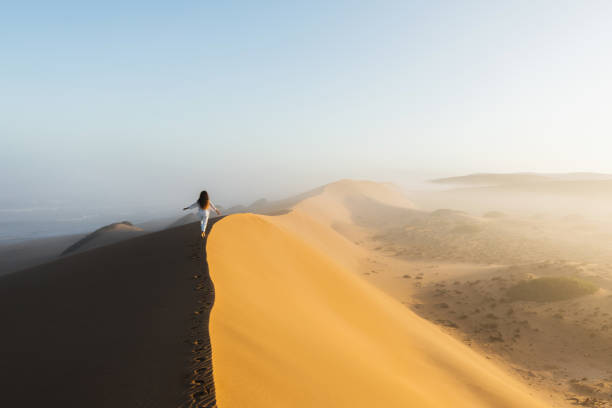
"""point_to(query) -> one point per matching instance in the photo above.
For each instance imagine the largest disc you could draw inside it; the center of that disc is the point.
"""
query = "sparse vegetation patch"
(551, 289)
(466, 229)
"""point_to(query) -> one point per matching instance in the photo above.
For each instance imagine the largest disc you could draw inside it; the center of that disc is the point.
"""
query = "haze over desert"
(323, 204)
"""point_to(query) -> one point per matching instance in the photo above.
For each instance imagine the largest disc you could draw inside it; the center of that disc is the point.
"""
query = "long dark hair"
(203, 201)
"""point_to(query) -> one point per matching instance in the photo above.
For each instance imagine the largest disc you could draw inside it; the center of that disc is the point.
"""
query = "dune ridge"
(293, 327)
(106, 235)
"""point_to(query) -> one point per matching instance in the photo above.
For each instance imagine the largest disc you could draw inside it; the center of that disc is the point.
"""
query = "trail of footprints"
(201, 387)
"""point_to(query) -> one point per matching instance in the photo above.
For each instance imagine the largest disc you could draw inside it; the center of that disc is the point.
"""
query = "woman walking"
(203, 204)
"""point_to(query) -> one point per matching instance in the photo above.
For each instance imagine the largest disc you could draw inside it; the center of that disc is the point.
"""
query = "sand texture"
(293, 328)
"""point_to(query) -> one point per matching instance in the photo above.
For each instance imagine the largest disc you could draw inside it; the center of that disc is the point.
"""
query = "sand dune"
(292, 328)
(323, 305)
(336, 217)
(106, 235)
(125, 325)
(353, 208)
(453, 269)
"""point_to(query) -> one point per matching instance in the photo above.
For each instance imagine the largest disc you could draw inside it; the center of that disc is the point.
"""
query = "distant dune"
(493, 179)
(106, 235)
(587, 188)
(498, 179)
(265, 206)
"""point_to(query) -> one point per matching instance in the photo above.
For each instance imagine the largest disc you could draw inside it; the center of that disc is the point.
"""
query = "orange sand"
(292, 327)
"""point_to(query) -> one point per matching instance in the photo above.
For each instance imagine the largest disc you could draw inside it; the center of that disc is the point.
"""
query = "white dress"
(203, 213)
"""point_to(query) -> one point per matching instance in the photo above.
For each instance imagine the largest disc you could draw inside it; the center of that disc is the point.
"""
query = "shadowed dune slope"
(110, 327)
(291, 327)
(14, 257)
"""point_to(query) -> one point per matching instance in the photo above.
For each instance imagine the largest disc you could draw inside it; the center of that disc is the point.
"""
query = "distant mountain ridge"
(496, 179)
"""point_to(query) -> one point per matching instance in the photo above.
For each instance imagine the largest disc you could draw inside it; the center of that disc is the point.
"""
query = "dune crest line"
(201, 391)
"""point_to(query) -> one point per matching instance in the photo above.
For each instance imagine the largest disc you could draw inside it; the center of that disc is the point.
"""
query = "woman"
(204, 205)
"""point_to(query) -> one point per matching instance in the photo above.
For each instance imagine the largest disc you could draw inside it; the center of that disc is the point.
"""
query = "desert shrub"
(551, 289)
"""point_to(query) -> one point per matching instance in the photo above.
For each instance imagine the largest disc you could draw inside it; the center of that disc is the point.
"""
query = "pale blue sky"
(111, 102)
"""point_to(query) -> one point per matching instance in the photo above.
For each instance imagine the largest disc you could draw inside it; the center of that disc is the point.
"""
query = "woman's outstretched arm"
(191, 206)
(215, 208)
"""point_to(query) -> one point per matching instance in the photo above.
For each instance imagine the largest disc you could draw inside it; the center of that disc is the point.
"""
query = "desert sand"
(124, 325)
(348, 295)
(454, 269)
(297, 327)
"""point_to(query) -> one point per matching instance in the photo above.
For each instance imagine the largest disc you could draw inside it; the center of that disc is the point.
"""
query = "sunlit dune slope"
(339, 214)
(354, 202)
(291, 327)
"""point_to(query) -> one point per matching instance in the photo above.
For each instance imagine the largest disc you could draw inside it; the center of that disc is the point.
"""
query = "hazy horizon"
(138, 107)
